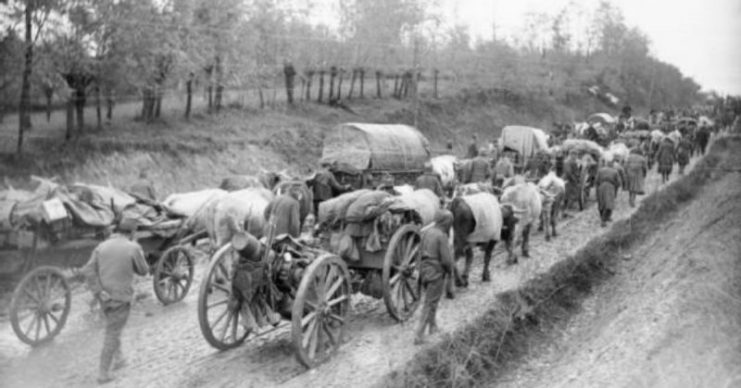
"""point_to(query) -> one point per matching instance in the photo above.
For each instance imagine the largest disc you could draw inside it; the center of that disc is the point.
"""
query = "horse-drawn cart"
(363, 155)
(49, 235)
(309, 286)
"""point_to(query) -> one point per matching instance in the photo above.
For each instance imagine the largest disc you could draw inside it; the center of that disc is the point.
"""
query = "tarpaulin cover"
(423, 201)
(488, 215)
(335, 209)
(525, 140)
(376, 147)
(583, 145)
(603, 118)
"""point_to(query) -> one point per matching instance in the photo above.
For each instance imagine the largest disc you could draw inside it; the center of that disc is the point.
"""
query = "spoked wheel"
(40, 305)
(401, 273)
(218, 309)
(173, 274)
(320, 310)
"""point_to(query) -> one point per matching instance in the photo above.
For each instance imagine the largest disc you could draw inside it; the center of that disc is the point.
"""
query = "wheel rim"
(40, 306)
(401, 273)
(173, 275)
(320, 310)
(218, 309)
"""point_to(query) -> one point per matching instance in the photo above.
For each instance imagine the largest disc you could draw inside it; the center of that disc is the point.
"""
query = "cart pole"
(416, 80)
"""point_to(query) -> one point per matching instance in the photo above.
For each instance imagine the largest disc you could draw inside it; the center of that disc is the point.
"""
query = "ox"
(264, 179)
(479, 220)
(238, 211)
(526, 202)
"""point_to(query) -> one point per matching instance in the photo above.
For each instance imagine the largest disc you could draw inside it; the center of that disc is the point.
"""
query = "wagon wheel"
(320, 310)
(218, 310)
(40, 305)
(173, 274)
(401, 273)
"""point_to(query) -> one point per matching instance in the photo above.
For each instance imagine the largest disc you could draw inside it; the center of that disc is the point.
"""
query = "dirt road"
(165, 347)
(669, 318)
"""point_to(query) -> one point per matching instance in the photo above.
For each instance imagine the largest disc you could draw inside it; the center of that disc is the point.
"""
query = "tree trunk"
(309, 80)
(210, 93)
(98, 108)
(262, 98)
(362, 82)
(332, 76)
(339, 84)
(109, 105)
(378, 84)
(189, 96)
(352, 83)
(148, 105)
(158, 102)
(321, 86)
(219, 83)
(435, 84)
(70, 118)
(80, 108)
(396, 85)
(49, 93)
(26, 80)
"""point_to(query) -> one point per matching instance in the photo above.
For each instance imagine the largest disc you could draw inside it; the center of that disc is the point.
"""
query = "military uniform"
(110, 275)
(430, 181)
(436, 262)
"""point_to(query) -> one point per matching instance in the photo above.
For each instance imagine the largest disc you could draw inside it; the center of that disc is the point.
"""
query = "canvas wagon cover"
(525, 140)
(389, 147)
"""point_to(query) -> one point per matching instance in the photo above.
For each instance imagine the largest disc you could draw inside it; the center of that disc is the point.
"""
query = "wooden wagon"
(311, 286)
(45, 254)
(366, 155)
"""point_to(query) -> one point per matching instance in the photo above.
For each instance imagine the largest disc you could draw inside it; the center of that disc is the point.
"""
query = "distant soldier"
(142, 188)
(572, 175)
(684, 150)
(110, 275)
(437, 261)
(429, 180)
(665, 158)
(503, 170)
(636, 168)
(473, 149)
(325, 186)
(607, 182)
(282, 213)
(479, 169)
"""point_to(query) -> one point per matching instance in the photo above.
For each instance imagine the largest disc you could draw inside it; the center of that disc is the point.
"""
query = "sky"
(701, 37)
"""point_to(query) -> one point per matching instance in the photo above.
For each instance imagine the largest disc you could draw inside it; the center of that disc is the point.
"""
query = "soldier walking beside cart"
(436, 262)
(110, 275)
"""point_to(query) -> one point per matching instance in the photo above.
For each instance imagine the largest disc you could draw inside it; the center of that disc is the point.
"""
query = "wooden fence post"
(379, 74)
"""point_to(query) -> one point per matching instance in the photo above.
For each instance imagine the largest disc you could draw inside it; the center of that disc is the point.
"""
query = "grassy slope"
(184, 155)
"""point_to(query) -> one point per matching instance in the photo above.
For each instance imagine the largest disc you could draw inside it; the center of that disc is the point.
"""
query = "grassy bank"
(184, 154)
(521, 318)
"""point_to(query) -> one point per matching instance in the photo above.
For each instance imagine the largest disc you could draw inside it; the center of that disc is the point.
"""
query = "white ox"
(188, 204)
(444, 166)
(527, 205)
(552, 192)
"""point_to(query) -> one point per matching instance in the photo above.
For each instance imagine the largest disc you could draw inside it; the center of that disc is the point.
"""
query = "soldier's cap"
(128, 225)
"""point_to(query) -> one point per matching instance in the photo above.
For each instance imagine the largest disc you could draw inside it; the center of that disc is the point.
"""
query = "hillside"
(182, 155)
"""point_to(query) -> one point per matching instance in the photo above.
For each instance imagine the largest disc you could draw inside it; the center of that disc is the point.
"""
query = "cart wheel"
(40, 305)
(218, 310)
(401, 273)
(173, 274)
(320, 310)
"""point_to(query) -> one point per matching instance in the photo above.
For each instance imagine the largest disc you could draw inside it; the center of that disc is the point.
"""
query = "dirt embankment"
(182, 155)
(655, 302)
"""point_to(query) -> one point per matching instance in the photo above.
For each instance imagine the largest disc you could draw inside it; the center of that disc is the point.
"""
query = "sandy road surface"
(671, 316)
(165, 348)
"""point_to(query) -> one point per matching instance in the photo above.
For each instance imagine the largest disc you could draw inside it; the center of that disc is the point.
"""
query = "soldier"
(436, 262)
(325, 186)
(429, 180)
(110, 275)
(282, 213)
(503, 170)
(571, 175)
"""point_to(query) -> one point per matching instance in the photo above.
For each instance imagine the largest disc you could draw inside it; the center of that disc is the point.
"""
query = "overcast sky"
(701, 37)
